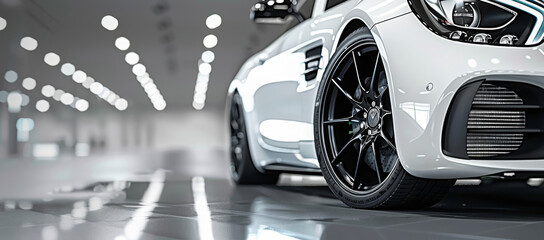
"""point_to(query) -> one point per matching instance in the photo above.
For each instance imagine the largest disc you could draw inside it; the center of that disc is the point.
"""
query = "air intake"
(496, 120)
(494, 111)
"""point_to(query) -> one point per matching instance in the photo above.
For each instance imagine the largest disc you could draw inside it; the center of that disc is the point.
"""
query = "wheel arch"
(357, 19)
(237, 87)
(349, 27)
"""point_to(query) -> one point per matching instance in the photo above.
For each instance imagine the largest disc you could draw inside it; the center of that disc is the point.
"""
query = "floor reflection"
(181, 195)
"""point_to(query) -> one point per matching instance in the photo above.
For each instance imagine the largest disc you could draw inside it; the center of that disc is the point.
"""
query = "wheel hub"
(373, 118)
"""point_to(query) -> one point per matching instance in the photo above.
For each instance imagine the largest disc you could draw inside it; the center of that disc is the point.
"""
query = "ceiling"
(167, 34)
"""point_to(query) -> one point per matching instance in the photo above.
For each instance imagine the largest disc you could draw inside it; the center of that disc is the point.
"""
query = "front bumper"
(417, 60)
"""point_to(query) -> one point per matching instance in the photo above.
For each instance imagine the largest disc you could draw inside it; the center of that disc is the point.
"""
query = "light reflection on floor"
(187, 195)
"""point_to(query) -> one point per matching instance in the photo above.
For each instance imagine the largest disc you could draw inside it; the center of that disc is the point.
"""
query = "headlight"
(499, 22)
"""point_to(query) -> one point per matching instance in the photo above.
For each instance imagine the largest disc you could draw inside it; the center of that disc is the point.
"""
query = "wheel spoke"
(234, 125)
(386, 139)
(344, 149)
(234, 112)
(373, 81)
(380, 96)
(234, 141)
(363, 147)
(348, 96)
(339, 120)
(378, 162)
(357, 71)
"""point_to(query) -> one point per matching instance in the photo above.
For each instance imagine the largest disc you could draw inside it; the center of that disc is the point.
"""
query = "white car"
(392, 100)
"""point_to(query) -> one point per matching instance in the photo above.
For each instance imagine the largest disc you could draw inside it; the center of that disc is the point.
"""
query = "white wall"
(127, 131)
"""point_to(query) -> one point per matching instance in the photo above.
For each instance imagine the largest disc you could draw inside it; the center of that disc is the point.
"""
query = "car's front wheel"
(355, 138)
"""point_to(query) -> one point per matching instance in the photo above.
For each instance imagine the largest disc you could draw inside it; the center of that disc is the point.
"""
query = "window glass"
(332, 3)
(305, 7)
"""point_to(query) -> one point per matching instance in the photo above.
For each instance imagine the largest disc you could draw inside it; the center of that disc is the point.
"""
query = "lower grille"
(493, 121)
(501, 119)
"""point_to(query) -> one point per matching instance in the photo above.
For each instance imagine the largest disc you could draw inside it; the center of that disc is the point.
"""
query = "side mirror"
(274, 11)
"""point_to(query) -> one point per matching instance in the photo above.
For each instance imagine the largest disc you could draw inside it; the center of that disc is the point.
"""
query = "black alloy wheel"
(241, 165)
(355, 138)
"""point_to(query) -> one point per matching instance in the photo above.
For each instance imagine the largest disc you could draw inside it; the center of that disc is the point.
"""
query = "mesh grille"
(492, 144)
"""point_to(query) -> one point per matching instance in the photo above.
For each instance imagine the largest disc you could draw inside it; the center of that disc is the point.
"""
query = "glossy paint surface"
(447, 65)
(273, 88)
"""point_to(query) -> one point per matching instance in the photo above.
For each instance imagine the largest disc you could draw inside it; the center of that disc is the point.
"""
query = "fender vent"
(496, 122)
(313, 59)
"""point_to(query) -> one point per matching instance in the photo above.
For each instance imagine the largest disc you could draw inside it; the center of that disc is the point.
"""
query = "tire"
(242, 170)
(354, 133)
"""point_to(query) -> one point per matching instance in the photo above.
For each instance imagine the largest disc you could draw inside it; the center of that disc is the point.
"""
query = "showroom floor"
(187, 195)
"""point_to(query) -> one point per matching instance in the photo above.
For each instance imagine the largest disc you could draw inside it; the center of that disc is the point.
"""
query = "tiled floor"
(181, 195)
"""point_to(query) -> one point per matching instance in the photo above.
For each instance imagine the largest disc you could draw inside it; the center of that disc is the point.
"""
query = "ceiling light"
(142, 77)
(29, 83)
(112, 98)
(121, 104)
(152, 91)
(48, 90)
(132, 58)
(42, 106)
(58, 94)
(210, 41)
(150, 86)
(205, 68)
(145, 81)
(73, 105)
(79, 76)
(51, 59)
(109, 22)
(82, 105)
(213, 21)
(198, 105)
(208, 56)
(156, 98)
(11, 76)
(87, 83)
(15, 101)
(105, 92)
(139, 69)
(29, 44)
(67, 98)
(68, 69)
(201, 87)
(201, 78)
(3, 24)
(122, 43)
(199, 97)
(26, 100)
(160, 105)
(96, 88)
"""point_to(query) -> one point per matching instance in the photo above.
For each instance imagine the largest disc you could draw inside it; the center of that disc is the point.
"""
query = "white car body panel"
(447, 65)
(277, 99)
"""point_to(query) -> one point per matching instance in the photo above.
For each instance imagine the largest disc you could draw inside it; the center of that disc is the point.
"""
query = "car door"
(297, 68)
(282, 78)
